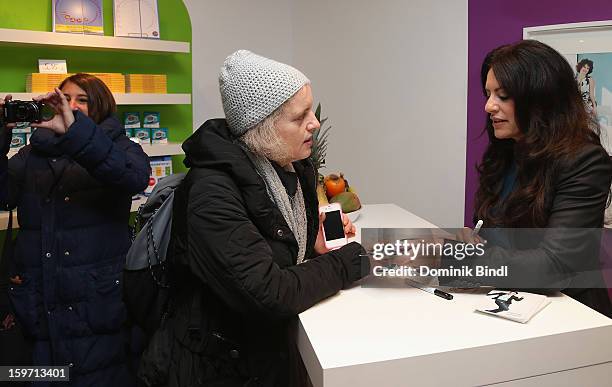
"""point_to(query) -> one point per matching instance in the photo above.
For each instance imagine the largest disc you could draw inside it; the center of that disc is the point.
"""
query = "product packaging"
(136, 18)
(18, 140)
(131, 120)
(159, 136)
(151, 120)
(160, 168)
(78, 16)
(22, 127)
(143, 135)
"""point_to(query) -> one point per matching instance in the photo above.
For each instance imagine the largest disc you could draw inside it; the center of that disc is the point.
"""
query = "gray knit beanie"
(252, 87)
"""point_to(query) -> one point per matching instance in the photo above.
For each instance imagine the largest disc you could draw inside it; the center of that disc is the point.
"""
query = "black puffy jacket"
(238, 285)
(73, 195)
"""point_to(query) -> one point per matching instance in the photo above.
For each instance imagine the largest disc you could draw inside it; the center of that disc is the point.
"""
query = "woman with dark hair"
(544, 177)
(73, 186)
(586, 84)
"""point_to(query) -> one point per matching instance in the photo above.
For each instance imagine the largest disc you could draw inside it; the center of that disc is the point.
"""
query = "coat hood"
(213, 146)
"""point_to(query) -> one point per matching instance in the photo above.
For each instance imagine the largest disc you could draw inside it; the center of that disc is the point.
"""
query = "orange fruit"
(334, 185)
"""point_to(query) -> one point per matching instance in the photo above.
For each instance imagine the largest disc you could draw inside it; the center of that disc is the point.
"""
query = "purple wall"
(492, 23)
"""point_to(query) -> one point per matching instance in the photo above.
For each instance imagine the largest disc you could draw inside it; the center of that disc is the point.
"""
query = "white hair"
(263, 139)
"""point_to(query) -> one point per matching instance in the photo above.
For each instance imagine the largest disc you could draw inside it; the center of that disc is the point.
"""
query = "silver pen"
(477, 228)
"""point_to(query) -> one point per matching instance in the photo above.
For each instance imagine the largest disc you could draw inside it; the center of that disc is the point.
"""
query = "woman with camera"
(72, 187)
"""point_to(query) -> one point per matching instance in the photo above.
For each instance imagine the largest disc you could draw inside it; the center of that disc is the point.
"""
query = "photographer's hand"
(64, 116)
(9, 126)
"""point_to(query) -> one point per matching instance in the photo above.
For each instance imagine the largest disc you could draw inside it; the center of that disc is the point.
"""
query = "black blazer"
(564, 255)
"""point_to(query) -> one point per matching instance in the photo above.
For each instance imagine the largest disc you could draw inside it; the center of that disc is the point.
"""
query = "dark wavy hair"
(585, 62)
(100, 101)
(554, 125)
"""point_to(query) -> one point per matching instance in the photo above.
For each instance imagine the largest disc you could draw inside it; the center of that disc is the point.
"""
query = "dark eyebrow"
(77, 96)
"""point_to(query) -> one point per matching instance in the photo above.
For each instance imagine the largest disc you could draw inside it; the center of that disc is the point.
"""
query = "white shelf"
(99, 42)
(4, 215)
(170, 149)
(136, 203)
(152, 99)
(152, 150)
(124, 98)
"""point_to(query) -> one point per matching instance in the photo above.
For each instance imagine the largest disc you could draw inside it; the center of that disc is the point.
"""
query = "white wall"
(392, 77)
(222, 27)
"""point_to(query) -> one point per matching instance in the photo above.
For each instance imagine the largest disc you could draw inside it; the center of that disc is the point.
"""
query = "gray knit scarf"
(292, 208)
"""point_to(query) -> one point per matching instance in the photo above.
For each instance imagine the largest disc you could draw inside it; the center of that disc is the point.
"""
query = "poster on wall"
(594, 79)
(78, 16)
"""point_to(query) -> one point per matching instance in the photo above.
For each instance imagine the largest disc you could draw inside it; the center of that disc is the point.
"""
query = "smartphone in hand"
(333, 229)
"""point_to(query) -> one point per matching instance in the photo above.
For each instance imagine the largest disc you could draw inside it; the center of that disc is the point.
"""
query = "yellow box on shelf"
(114, 81)
(43, 83)
(146, 83)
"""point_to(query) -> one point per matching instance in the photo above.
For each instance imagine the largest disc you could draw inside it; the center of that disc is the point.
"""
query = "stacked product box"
(43, 83)
(160, 168)
(21, 135)
(158, 135)
(149, 132)
(114, 81)
(131, 122)
(146, 83)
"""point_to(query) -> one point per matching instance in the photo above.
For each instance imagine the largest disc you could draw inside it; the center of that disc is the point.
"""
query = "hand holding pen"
(468, 235)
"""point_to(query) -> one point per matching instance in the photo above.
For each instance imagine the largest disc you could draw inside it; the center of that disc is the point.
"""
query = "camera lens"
(21, 113)
(46, 113)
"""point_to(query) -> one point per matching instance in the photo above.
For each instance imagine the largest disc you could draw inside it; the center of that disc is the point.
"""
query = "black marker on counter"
(434, 291)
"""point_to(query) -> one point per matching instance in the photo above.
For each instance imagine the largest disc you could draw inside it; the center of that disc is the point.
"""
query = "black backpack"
(146, 286)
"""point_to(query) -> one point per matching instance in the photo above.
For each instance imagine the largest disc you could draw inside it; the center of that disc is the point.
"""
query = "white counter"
(400, 337)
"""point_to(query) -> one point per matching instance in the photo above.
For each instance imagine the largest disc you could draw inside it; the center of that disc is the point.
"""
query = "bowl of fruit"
(334, 188)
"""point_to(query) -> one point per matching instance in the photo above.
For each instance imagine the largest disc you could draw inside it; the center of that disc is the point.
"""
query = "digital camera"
(26, 111)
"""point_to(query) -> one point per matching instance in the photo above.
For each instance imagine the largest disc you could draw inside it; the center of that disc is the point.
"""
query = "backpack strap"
(169, 291)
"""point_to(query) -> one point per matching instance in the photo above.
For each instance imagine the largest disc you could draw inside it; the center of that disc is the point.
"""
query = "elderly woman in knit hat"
(248, 255)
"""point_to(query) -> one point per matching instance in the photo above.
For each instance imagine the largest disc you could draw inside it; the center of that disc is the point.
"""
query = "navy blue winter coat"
(73, 195)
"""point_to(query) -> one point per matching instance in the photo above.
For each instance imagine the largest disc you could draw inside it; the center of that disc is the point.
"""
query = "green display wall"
(174, 24)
